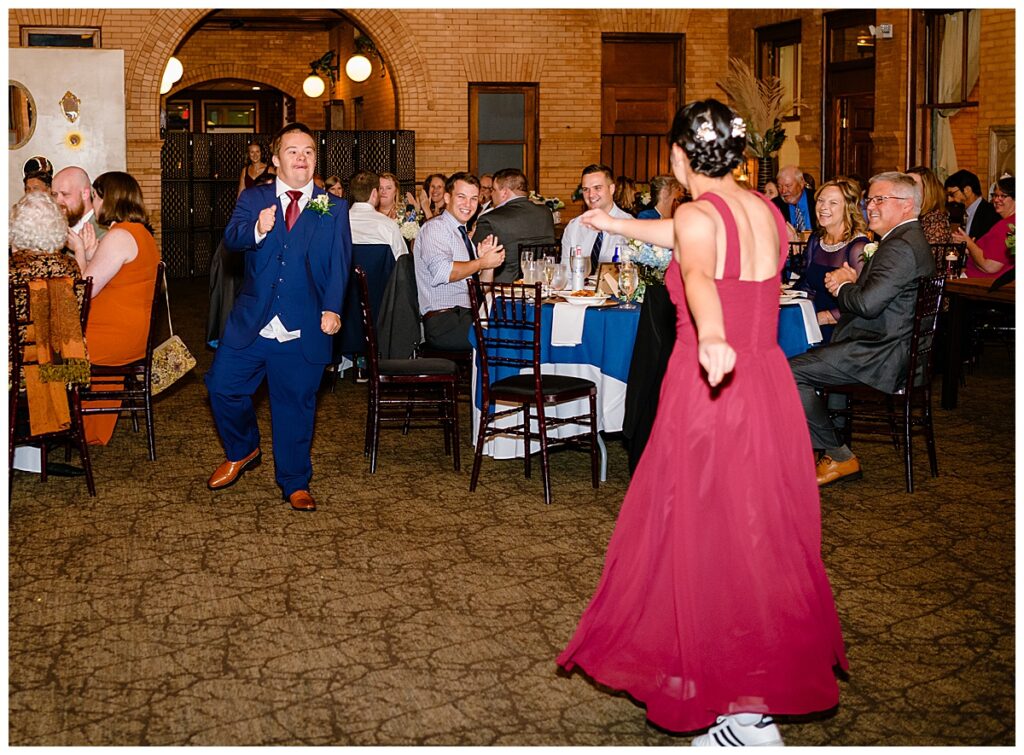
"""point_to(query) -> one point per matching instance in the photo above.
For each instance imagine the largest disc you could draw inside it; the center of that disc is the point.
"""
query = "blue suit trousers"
(292, 381)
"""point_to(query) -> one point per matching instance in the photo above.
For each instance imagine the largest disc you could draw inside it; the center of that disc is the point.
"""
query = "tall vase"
(765, 171)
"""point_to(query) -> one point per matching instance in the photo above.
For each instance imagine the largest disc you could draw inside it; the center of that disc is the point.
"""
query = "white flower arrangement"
(320, 204)
(409, 228)
(869, 251)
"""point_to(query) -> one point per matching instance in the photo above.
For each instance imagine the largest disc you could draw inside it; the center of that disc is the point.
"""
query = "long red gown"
(714, 597)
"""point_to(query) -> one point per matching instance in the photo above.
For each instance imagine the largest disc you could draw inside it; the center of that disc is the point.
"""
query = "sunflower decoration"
(74, 140)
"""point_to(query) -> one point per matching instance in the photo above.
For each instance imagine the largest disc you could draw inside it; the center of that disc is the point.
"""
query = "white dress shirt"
(371, 227)
(275, 329)
(576, 234)
(77, 227)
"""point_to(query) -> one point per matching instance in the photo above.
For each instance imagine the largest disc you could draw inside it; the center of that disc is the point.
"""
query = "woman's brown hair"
(934, 195)
(122, 199)
(853, 218)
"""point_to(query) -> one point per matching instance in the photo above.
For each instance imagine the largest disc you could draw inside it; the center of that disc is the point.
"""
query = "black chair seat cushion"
(417, 367)
(551, 385)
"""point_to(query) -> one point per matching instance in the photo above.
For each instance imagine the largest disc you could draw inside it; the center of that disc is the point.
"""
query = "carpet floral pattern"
(407, 610)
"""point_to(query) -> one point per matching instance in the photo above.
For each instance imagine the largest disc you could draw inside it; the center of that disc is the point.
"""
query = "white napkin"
(810, 321)
(567, 325)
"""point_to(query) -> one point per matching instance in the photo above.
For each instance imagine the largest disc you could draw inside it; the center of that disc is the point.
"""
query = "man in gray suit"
(871, 343)
(514, 221)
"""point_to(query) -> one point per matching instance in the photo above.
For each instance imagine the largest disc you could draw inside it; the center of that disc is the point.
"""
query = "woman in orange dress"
(123, 270)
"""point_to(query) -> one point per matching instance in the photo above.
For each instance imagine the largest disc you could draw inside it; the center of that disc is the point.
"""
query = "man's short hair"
(362, 185)
(962, 179)
(40, 175)
(793, 171)
(512, 179)
(275, 146)
(595, 168)
(463, 176)
(906, 184)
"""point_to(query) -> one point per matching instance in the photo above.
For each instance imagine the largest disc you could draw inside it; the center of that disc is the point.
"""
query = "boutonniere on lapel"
(869, 251)
(321, 204)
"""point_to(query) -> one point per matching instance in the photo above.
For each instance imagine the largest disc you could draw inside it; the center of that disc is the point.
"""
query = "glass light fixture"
(313, 86)
(358, 68)
(172, 74)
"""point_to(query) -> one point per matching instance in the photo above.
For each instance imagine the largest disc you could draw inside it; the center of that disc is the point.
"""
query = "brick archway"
(409, 70)
(214, 71)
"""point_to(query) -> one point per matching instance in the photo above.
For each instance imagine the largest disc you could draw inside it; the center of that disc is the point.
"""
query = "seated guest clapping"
(840, 238)
(446, 260)
(123, 270)
(989, 256)
(871, 343)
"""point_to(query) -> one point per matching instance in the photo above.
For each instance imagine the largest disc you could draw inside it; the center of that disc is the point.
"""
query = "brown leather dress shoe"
(228, 473)
(301, 500)
(829, 470)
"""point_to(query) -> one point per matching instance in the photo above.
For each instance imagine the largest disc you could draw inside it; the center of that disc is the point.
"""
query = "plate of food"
(584, 297)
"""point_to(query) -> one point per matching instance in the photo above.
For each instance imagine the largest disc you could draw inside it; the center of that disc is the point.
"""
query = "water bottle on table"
(577, 269)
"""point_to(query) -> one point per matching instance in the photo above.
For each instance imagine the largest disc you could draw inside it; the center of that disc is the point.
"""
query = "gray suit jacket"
(871, 342)
(518, 221)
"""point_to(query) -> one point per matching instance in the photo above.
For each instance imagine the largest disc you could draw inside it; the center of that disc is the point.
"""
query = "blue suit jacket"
(320, 244)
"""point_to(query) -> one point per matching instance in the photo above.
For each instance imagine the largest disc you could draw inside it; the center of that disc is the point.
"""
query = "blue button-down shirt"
(438, 246)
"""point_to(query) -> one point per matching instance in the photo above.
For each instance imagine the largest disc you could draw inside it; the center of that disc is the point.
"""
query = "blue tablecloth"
(604, 357)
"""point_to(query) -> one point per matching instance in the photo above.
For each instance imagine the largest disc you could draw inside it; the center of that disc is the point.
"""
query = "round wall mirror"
(23, 114)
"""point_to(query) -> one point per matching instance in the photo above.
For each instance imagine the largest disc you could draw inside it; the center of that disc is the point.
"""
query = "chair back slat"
(796, 262)
(506, 321)
(369, 330)
(922, 339)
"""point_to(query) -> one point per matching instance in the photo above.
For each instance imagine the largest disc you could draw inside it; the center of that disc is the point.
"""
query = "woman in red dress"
(714, 608)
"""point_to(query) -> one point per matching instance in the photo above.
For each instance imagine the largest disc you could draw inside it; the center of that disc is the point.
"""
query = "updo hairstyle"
(712, 136)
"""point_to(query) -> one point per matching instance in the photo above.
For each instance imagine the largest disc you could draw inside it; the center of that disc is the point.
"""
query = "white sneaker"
(741, 730)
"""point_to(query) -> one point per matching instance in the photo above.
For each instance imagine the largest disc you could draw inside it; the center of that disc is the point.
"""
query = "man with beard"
(72, 190)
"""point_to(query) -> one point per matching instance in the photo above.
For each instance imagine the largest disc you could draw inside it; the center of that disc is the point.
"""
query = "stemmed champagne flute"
(549, 272)
(629, 280)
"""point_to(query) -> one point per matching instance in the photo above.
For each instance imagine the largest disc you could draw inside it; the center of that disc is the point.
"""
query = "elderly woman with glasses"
(990, 255)
(123, 269)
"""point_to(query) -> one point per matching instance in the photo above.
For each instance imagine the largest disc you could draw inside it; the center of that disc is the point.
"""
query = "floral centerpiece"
(554, 204)
(651, 262)
(410, 228)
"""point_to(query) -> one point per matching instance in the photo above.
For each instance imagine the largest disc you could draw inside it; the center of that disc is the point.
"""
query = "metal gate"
(199, 182)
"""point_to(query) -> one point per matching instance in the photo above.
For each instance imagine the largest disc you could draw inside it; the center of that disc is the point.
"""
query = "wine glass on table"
(529, 271)
(549, 273)
(629, 280)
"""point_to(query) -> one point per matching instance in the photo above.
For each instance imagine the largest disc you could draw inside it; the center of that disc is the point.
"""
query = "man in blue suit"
(298, 251)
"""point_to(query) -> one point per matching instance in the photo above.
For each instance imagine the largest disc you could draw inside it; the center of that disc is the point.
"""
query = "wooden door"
(854, 121)
(641, 88)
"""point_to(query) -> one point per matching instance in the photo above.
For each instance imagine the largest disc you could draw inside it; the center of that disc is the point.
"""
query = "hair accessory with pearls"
(739, 128)
(706, 131)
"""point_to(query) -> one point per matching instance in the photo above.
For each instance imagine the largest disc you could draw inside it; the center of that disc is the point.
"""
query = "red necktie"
(292, 213)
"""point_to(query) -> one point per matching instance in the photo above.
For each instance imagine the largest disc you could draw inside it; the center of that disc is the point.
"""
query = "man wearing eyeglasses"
(979, 214)
(871, 342)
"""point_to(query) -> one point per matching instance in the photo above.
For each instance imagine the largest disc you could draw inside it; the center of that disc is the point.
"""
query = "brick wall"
(997, 96)
(432, 54)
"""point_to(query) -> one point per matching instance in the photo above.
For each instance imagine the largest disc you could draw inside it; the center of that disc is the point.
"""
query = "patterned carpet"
(409, 611)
